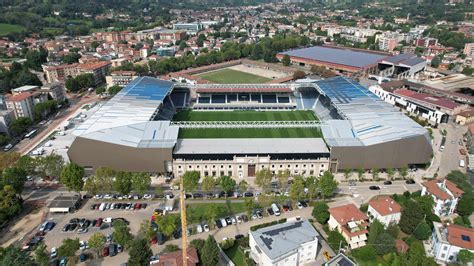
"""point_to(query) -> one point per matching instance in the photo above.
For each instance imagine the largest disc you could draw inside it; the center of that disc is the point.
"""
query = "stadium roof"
(280, 239)
(347, 57)
(250, 146)
(407, 60)
(135, 103)
(369, 120)
(248, 88)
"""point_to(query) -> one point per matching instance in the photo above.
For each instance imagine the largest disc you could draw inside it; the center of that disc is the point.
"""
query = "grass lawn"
(236, 255)
(244, 116)
(8, 28)
(249, 133)
(198, 212)
(228, 76)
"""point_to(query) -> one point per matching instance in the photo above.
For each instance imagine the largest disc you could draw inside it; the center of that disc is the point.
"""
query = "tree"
(114, 89)
(227, 184)
(465, 256)
(27, 163)
(336, 240)
(100, 90)
(411, 217)
(327, 185)
(72, 85)
(416, 256)
(97, 241)
(286, 60)
(14, 177)
(249, 205)
(20, 125)
(264, 200)
(208, 183)
(71, 58)
(243, 185)
(85, 80)
(191, 180)
(384, 244)
(146, 230)
(141, 182)
(393, 230)
(123, 182)
(320, 212)
(72, 177)
(210, 252)
(139, 252)
(298, 74)
(10, 203)
(68, 247)
(347, 173)
(465, 206)
(12, 255)
(167, 224)
(50, 165)
(435, 62)
(366, 253)
(403, 172)
(422, 231)
(375, 174)
(282, 177)
(312, 186)
(198, 244)
(263, 178)
(425, 203)
(297, 188)
(122, 233)
(390, 173)
(170, 248)
(41, 255)
(376, 228)
(360, 173)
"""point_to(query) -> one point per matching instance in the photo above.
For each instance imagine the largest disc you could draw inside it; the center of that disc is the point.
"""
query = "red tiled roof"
(401, 246)
(176, 258)
(425, 97)
(19, 97)
(461, 236)
(92, 66)
(433, 188)
(385, 205)
(347, 213)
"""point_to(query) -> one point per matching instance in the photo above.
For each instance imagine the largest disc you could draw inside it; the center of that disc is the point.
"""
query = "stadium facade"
(135, 131)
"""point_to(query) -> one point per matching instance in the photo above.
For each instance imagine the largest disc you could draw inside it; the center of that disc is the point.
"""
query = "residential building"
(384, 209)
(98, 69)
(172, 35)
(465, 117)
(120, 78)
(351, 223)
(21, 104)
(426, 42)
(340, 260)
(445, 195)
(59, 73)
(469, 49)
(176, 258)
(56, 91)
(446, 242)
(291, 243)
(6, 118)
(388, 43)
(26, 88)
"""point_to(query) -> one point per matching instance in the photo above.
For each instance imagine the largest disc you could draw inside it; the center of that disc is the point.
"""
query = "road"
(26, 146)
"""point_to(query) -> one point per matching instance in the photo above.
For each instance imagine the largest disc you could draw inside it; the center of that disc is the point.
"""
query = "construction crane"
(184, 230)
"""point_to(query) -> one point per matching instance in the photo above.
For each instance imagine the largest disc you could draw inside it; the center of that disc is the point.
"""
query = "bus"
(31, 134)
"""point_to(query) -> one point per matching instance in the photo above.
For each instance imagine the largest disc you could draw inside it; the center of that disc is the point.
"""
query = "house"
(445, 195)
(351, 223)
(291, 243)
(340, 260)
(176, 258)
(384, 209)
(446, 241)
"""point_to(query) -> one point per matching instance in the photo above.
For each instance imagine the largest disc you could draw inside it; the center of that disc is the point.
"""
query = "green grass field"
(235, 133)
(228, 76)
(8, 28)
(244, 116)
(236, 255)
(198, 212)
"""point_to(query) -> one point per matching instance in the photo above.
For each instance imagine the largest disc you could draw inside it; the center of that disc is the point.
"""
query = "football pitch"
(234, 133)
(245, 116)
(230, 76)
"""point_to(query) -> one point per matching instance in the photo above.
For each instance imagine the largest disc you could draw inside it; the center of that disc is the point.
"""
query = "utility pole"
(184, 231)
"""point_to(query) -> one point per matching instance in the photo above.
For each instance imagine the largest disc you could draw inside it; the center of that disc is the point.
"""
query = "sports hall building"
(135, 131)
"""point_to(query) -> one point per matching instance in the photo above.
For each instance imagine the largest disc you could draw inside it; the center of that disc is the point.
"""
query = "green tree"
(366, 253)
(403, 172)
(139, 252)
(376, 228)
(208, 183)
(282, 177)
(227, 184)
(141, 182)
(121, 233)
(384, 244)
(243, 185)
(191, 180)
(465, 205)
(412, 215)
(347, 173)
(10, 203)
(263, 178)
(100, 90)
(435, 62)
(298, 74)
(72, 85)
(198, 244)
(422, 231)
(416, 256)
(465, 256)
(114, 89)
(249, 205)
(210, 252)
(27, 163)
(170, 248)
(72, 177)
(393, 230)
(320, 212)
(71, 58)
(14, 177)
(167, 224)
(264, 200)
(85, 80)
(42, 256)
(20, 125)
(297, 188)
(327, 185)
(312, 186)
(390, 173)
(12, 255)
(97, 242)
(286, 60)
(50, 165)
(375, 174)
(68, 247)
(336, 240)
(360, 173)
(146, 230)
(123, 182)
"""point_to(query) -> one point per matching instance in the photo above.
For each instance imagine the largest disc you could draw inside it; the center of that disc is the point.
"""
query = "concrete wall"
(393, 154)
(95, 154)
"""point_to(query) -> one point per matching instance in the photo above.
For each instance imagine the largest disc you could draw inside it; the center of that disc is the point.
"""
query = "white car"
(206, 228)
(112, 206)
(199, 228)
(82, 231)
(108, 220)
(299, 205)
(147, 196)
(98, 196)
(43, 226)
(223, 222)
(234, 221)
(83, 245)
(239, 219)
(107, 196)
(54, 253)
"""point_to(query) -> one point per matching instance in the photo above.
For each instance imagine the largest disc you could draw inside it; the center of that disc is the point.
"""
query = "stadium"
(305, 127)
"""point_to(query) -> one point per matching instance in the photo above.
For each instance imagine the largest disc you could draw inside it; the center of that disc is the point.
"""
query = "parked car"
(239, 236)
(160, 237)
(248, 194)
(228, 220)
(270, 211)
(245, 218)
(83, 245)
(410, 181)
(206, 227)
(105, 251)
(54, 253)
(223, 222)
(238, 218)
(374, 188)
(199, 228)
(218, 224)
(388, 182)
(299, 205)
(82, 230)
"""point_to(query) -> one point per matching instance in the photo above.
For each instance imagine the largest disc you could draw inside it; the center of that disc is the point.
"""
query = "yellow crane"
(184, 231)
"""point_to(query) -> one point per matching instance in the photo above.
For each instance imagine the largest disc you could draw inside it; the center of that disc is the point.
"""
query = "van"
(275, 209)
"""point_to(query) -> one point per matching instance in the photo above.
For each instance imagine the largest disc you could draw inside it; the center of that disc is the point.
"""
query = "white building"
(291, 243)
(445, 195)
(21, 104)
(446, 242)
(384, 209)
(351, 223)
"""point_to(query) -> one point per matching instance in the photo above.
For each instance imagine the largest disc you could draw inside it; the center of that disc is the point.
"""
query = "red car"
(105, 251)
(99, 222)
(154, 240)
